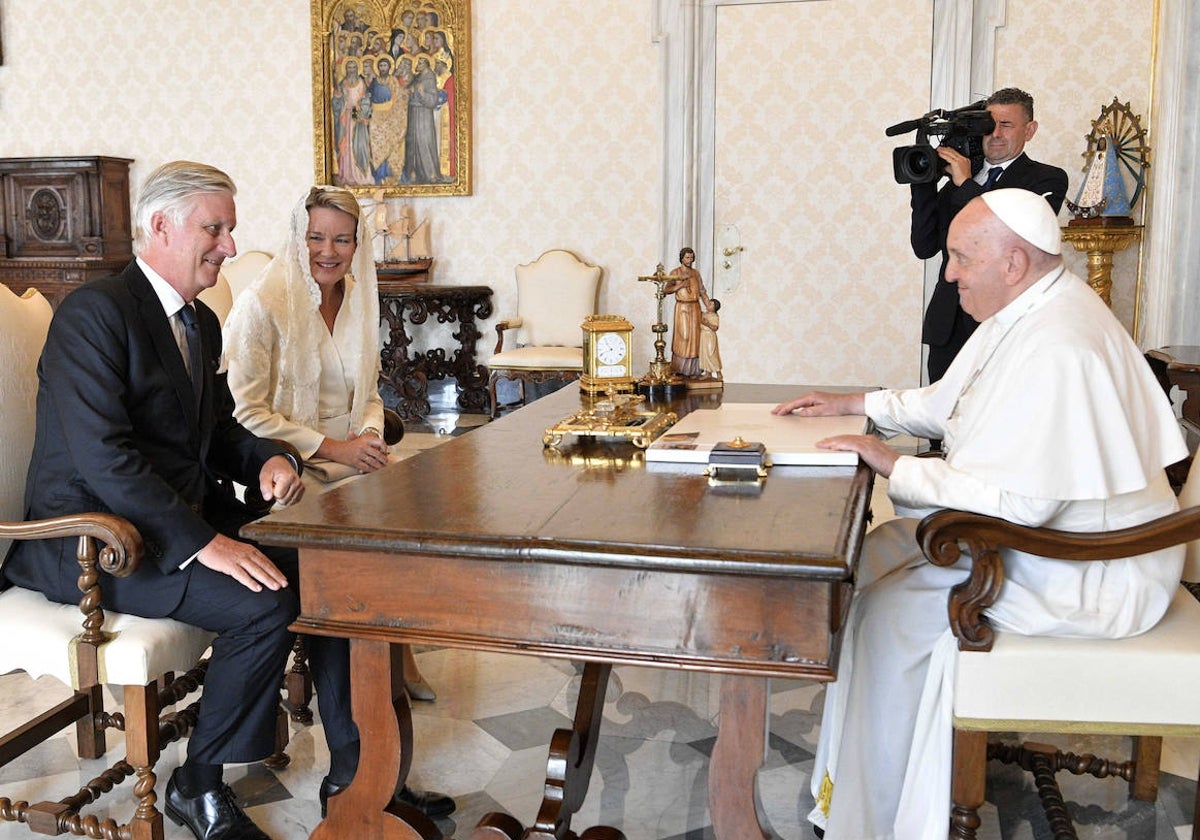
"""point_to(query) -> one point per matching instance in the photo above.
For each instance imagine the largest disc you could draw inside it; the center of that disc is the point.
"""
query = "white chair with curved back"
(219, 298)
(241, 271)
(555, 293)
(81, 645)
(1145, 686)
(235, 276)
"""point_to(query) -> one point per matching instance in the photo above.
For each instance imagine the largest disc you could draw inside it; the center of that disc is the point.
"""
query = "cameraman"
(947, 326)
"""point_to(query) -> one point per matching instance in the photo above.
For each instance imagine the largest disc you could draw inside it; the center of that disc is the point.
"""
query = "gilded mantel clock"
(607, 354)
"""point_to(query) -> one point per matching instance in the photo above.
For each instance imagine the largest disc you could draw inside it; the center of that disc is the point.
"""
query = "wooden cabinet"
(66, 220)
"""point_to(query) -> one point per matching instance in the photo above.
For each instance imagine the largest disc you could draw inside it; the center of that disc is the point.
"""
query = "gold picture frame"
(406, 130)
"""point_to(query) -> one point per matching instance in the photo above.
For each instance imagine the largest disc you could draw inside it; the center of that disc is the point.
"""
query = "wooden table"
(491, 543)
(406, 373)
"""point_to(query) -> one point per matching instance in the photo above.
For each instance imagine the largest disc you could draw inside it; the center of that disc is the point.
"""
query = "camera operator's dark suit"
(946, 327)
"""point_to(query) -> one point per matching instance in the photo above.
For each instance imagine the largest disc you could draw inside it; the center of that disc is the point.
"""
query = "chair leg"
(1042, 760)
(140, 723)
(142, 752)
(518, 380)
(283, 736)
(298, 684)
(968, 783)
(1147, 755)
(89, 730)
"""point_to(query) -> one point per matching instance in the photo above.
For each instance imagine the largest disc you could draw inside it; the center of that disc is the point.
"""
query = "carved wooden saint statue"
(691, 302)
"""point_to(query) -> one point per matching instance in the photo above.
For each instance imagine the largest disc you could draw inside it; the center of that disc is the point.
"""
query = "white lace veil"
(289, 295)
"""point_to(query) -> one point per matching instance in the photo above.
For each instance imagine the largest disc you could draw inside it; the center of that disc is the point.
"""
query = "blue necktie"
(191, 331)
(992, 177)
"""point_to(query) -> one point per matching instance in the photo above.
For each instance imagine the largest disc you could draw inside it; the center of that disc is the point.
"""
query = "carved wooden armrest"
(506, 324)
(119, 555)
(941, 534)
(122, 544)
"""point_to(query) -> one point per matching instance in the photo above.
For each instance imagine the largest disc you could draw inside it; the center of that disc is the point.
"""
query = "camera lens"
(915, 164)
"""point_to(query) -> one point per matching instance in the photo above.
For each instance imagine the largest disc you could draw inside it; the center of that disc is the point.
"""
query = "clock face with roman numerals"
(610, 348)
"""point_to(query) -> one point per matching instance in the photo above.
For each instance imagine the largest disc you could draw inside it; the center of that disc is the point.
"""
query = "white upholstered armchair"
(81, 645)
(555, 293)
(1145, 686)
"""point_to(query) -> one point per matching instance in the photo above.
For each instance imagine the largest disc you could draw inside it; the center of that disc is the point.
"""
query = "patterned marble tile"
(485, 741)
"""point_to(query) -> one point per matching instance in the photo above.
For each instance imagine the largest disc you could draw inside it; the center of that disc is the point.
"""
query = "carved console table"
(404, 378)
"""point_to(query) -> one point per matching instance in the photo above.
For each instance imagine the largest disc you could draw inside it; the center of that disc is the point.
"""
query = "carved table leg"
(364, 808)
(498, 826)
(568, 771)
(736, 758)
(472, 378)
(572, 754)
(401, 368)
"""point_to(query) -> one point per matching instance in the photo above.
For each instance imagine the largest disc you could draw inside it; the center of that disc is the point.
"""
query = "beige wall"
(1074, 60)
(567, 129)
(566, 121)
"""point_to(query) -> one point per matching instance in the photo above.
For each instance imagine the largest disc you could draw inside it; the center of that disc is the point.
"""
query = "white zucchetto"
(1028, 215)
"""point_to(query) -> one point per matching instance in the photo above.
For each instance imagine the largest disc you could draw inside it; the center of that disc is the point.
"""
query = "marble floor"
(485, 741)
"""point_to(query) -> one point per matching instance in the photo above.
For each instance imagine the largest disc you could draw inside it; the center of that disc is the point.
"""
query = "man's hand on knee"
(242, 562)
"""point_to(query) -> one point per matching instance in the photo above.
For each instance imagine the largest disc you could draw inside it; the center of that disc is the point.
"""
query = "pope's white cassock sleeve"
(1050, 417)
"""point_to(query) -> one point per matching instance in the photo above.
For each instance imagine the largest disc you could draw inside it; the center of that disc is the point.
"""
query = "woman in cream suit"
(302, 349)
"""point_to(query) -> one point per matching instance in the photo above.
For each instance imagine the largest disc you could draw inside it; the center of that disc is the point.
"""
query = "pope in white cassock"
(1051, 418)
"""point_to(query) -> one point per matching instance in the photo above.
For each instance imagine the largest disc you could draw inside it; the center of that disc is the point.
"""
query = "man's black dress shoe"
(428, 802)
(820, 832)
(214, 815)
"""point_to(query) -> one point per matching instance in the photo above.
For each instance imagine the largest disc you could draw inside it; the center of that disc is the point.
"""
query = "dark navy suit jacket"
(118, 431)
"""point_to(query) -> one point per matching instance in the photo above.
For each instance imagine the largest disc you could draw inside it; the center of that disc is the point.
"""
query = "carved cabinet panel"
(64, 221)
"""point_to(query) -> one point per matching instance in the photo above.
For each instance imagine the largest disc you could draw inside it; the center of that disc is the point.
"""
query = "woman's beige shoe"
(420, 690)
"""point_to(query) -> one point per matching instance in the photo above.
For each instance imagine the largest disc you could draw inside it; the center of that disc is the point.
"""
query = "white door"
(825, 289)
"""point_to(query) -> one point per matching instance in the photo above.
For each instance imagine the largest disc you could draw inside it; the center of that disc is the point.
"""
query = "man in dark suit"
(135, 418)
(947, 327)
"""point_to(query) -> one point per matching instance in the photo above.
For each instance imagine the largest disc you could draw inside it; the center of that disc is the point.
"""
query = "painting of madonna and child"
(392, 95)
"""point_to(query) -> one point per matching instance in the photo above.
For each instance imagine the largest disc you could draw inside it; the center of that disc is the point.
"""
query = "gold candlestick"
(660, 383)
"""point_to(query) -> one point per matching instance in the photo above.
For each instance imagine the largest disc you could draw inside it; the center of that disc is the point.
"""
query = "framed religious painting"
(392, 95)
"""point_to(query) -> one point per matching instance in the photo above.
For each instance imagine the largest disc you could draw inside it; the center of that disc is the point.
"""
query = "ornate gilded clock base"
(619, 416)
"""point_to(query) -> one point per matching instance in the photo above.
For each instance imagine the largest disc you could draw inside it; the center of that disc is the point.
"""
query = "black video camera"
(962, 129)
